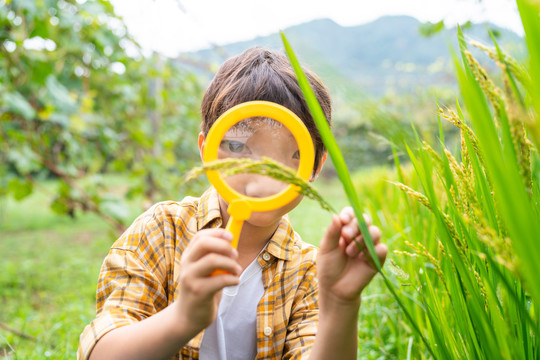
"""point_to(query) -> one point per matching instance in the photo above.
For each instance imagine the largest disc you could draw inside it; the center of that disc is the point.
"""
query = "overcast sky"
(172, 26)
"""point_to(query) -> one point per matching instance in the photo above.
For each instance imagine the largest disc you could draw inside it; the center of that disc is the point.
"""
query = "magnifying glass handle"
(240, 210)
(235, 227)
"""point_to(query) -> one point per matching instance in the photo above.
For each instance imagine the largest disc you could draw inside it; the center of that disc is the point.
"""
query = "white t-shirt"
(233, 335)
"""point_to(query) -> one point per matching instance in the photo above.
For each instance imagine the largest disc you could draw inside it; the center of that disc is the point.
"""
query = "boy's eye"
(236, 147)
(296, 154)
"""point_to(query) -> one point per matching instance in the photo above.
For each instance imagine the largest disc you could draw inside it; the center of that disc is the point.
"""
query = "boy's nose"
(261, 186)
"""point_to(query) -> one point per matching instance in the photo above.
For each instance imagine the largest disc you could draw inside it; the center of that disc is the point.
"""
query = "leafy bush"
(79, 99)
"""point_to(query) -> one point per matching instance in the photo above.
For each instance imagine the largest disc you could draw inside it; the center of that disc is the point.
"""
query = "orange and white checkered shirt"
(139, 276)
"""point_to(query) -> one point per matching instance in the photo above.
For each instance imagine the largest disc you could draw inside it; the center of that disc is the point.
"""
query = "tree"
(75, 98)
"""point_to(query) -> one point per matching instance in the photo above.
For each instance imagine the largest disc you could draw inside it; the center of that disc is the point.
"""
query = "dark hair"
(261, 74)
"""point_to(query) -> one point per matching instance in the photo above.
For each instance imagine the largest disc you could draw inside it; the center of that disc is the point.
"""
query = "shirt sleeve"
(132, 282)
(304, 319)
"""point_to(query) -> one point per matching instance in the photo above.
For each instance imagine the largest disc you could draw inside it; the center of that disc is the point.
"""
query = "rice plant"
(470, 256)
(475, 277)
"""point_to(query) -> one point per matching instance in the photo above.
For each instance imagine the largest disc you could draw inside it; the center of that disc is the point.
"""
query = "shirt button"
(268, 331)
(266, 256)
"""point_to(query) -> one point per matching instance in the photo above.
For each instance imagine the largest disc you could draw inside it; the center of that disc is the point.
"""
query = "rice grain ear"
(518, 212)
(529, 11)
(267, 167)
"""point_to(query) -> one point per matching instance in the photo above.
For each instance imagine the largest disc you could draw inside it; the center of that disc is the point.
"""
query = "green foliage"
(466, 280)
(368, 135)
(79, 99)
(473, 223)
(429, 28)
(344, 176)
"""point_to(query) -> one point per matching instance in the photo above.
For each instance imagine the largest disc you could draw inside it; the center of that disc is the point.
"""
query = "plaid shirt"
(139, 278)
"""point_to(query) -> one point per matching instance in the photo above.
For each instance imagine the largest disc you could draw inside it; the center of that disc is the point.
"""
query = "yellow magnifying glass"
(241, 206)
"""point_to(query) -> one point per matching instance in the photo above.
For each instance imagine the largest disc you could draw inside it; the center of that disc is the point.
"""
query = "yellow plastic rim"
(259, 109)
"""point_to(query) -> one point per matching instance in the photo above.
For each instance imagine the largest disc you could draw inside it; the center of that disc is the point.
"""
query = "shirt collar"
(280, 244)
(208, 212)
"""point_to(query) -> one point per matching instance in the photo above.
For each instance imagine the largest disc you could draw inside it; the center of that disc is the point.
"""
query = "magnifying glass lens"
(255, 138)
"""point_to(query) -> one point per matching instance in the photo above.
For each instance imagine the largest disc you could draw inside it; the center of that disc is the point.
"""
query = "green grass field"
(47, 277)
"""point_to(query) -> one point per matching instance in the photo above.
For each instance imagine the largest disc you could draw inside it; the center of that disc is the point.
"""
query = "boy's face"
(254, 139)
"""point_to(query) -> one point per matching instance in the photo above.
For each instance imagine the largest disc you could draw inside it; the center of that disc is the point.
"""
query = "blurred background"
(99, 116)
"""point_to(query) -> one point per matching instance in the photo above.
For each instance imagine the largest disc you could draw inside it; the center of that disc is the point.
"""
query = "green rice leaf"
(333, 150)
(344, 176)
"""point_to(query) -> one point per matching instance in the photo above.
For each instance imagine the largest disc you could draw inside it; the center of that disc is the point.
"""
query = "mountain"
(388, 55)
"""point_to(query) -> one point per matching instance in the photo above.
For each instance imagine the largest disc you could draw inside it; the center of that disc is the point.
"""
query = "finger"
(356, 247)
(330, 240)
(367, 219)
(213, 284)
(217, 232)
(346, 215)
(381, 250)
(211, 242)
(375, 233)
(205, 266)
(351, 229)
(342, 244)
(209, 286)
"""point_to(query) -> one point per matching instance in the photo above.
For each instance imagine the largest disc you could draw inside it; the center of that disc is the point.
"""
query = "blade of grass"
(344, 176)
(529, 11)
(333, 149)
(506, 69)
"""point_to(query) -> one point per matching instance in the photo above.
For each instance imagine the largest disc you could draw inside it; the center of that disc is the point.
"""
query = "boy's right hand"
(199, 291)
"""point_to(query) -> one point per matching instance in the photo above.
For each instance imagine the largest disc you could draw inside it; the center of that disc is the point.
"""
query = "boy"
(157, 297)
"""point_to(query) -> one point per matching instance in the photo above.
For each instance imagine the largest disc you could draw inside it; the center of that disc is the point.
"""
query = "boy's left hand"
(343, 268)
